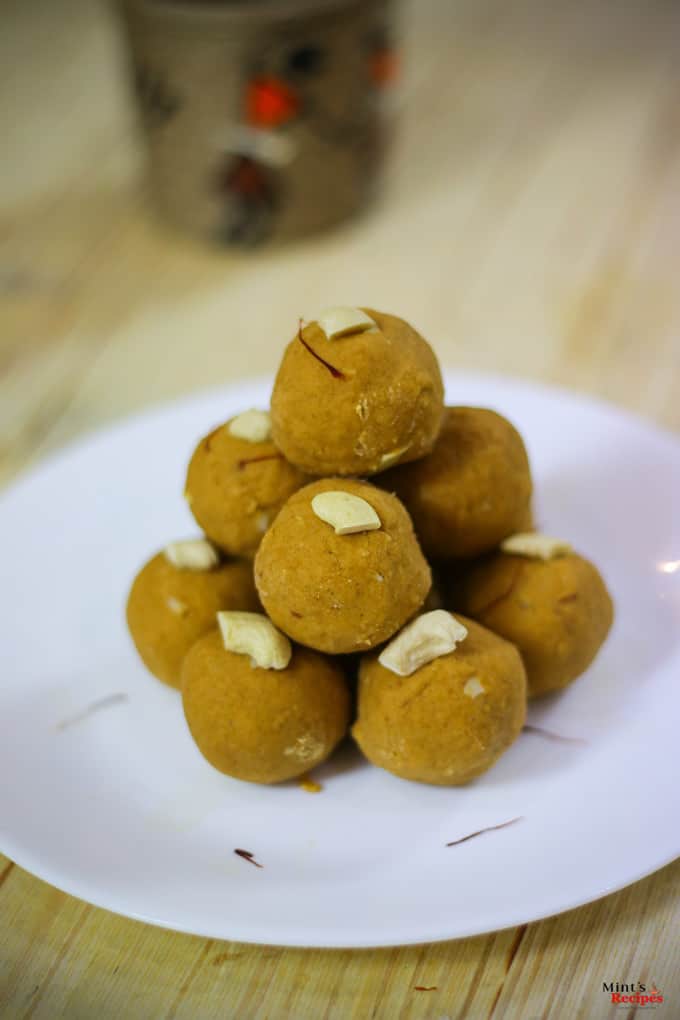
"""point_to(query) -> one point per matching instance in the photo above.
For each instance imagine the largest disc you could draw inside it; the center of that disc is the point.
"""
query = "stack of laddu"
(324, 520)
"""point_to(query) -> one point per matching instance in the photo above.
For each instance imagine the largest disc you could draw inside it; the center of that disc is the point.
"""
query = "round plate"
(105, 796)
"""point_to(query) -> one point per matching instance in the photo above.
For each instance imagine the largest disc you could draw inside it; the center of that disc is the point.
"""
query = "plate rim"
(141, 415)
(248, 938)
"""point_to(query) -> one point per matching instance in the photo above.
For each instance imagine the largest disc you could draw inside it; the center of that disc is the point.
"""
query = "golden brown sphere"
(169, 608)
(341, 593)
(263, 725)
(235, 488)
(355, 405)
(450, 720)
(558, 612)
(472, 491)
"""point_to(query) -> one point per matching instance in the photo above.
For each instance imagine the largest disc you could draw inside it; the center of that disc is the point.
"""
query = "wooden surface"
(530, 225)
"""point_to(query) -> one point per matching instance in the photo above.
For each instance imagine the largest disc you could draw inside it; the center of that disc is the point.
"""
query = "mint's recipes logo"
(632, 995)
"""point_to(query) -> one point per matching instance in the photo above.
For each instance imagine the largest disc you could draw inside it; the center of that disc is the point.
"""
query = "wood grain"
(530, 224)
(65, 958)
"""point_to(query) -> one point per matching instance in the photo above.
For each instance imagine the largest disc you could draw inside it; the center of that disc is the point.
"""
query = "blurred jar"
(265, 120)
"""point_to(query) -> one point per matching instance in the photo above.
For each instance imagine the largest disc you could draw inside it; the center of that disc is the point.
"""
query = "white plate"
(120, 809)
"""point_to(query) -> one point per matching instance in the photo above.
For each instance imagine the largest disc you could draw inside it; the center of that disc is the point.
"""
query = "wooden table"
(530, 225)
